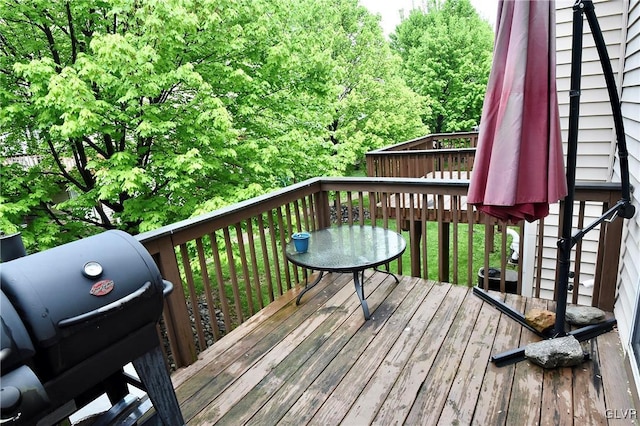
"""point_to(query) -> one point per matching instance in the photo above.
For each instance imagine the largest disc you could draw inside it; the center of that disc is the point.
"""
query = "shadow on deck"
(422, 359)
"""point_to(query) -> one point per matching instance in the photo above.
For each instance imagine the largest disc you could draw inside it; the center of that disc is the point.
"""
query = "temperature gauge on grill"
(92, 269)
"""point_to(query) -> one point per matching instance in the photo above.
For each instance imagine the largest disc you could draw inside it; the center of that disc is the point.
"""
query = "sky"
(390, 10)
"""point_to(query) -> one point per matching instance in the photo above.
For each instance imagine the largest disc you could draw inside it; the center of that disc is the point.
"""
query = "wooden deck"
(422, 359)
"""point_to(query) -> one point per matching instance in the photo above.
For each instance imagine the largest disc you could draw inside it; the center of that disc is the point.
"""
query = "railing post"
(607, 268)
(371, 165)
(322, 209)
(443, 242)
(176, 314)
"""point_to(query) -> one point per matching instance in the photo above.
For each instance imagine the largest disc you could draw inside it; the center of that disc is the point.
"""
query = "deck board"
(366, 406)
(589, 405)
(302, 363)
(316, 395)
(465, 391)
(361, 371)
(279, 345)
(401, 397)
(495, 392)
(432, 396)
(526, 390)
(211, 381)
(557, 397)
(422, 358)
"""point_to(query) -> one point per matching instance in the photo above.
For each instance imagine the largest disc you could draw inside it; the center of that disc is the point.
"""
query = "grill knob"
(9, 399)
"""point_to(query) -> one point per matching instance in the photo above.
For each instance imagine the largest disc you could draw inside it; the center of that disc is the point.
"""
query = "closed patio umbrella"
(519, 169)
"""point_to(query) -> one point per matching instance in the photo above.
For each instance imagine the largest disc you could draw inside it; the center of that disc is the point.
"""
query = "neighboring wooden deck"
(422, 359)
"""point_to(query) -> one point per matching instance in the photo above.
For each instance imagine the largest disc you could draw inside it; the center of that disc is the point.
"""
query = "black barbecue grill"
(71, 318)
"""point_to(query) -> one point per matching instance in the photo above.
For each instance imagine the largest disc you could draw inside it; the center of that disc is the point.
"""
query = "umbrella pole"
(622, 208)
(564, 244)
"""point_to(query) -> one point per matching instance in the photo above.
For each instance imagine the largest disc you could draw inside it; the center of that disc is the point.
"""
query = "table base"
(358, 281)
(308, 286)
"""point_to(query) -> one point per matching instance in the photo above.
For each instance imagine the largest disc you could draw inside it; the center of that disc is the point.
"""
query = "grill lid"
(83, 282)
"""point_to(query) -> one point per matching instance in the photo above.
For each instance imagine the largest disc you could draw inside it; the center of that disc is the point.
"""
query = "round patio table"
(347, 248)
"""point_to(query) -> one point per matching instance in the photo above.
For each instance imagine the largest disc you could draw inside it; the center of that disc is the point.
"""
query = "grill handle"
(168, 288)
(103, 310)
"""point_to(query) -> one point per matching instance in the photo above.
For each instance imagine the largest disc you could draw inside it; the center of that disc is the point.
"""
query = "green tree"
(277, 82)
(375, 107)
(149, 112)
(109, 99)
(446, 51)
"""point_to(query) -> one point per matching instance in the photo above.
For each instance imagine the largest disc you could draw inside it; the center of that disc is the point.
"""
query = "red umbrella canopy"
(519, 168)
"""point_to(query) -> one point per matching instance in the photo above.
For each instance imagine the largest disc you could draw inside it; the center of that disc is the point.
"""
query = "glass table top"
(348, 248)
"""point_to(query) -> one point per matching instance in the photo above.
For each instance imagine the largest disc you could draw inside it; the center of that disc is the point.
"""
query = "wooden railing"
(232, 260)
(431, 155)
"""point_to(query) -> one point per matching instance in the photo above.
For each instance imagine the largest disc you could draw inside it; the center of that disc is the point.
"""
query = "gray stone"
(584, 315)
(540, 319)
(558, 352)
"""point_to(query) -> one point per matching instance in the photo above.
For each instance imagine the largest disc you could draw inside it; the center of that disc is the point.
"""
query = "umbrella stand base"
(516, 355)
(585, 333)
(507, 310)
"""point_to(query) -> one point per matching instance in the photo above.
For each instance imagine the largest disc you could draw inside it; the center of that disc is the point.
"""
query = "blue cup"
(301, 241)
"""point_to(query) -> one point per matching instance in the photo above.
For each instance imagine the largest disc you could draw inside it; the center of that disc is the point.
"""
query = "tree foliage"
(375, 106)
(446, 50)
(147, 112)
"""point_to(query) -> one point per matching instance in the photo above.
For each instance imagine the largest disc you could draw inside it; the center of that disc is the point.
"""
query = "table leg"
(388, 273)
(359, 283)
(308, 286)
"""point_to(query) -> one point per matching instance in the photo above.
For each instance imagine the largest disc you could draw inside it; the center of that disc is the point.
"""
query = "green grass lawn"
(478, 252)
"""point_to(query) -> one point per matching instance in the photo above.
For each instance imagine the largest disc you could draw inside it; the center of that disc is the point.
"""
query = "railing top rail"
(257, 205)
(421, 139)
(398, 184)
(237, 211)
(426, 152)
(587, 185)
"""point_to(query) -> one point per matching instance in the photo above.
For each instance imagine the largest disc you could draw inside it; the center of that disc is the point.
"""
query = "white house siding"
(588, 257)
(595, 154)
(596, 135)
(626, 308)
